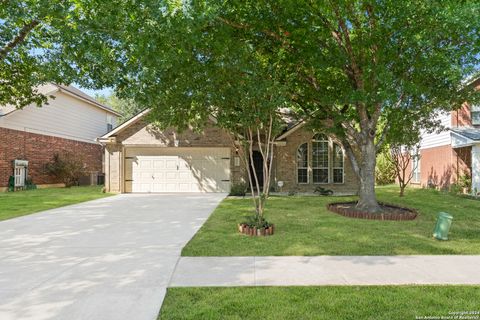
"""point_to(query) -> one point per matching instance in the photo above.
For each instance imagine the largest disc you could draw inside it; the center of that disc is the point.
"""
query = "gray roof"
(468, 132)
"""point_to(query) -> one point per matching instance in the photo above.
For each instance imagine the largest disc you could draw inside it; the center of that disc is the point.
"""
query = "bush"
(66, 167)
(465, 181)
(323, 192)
(29, 185)
(456, 189)
(385, 170)
(239, 189)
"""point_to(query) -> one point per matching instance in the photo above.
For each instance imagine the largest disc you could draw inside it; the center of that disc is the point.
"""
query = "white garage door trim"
(179, 170)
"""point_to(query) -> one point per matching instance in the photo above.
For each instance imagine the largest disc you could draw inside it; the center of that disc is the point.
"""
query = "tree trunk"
(367, 199)
(402, 190)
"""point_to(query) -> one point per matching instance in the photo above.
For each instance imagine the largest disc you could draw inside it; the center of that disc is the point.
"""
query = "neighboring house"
(71, 121)
(141, 158)
(450, 155)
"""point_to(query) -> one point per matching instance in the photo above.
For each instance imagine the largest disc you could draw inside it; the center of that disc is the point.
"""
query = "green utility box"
(444, 221)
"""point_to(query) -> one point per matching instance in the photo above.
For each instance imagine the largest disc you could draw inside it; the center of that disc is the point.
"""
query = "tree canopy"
(362, 71)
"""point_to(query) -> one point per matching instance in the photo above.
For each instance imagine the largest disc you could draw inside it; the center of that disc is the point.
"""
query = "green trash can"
(444, 221)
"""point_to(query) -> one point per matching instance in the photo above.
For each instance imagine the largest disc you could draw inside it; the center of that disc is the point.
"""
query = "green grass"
(16, 204)
(305, 227)
(330, 302)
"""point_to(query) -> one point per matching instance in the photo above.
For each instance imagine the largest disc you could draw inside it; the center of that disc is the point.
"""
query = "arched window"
(302, 163)
(320, 158)
(338, 164)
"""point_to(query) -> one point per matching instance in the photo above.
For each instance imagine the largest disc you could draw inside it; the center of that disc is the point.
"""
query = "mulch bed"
(389, 211)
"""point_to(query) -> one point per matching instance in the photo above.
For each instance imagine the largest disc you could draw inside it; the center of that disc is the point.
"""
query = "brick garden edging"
(253, 231)
(410, 214)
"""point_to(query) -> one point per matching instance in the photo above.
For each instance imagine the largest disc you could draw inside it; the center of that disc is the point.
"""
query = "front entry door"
(257, 166)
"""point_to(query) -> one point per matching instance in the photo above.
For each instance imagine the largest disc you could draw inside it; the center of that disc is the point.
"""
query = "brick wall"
(441, 166)
(39, 150)
(462, 117)
(142, 134)
(286, 166)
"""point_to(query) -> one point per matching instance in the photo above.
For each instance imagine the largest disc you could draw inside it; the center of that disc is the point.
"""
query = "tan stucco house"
(140, 159)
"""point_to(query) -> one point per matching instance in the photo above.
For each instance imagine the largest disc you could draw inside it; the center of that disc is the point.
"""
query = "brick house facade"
(452, 155)
(70, 122)
(136, 157)
(286, 166)
(38, 150)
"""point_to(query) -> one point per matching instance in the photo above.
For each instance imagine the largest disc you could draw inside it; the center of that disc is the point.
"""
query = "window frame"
(326, 140)
(302, 168)
(475, 109)
(335, 145)
(416, 172)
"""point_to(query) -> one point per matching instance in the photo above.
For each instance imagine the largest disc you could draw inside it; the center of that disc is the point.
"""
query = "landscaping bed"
(389, 211)
(329, 302)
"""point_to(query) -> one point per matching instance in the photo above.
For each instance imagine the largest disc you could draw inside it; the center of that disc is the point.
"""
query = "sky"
(92, 93)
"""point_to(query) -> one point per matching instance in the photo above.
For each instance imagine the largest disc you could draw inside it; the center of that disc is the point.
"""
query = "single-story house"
(70, 122)
(140, 158)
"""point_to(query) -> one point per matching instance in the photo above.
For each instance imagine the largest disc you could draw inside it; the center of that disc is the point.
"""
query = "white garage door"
(182, 170)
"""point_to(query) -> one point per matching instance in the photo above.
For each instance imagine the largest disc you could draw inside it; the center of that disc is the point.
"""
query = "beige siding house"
(140, 158)
(71, 121)
(70, 114)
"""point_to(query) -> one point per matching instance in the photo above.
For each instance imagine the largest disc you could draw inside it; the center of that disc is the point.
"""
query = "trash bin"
(444, 221)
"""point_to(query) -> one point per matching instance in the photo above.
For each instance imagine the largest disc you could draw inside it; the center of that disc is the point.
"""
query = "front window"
(337, 163)
(475, 113)
(416, 167)
(302, 163)
(320, 159)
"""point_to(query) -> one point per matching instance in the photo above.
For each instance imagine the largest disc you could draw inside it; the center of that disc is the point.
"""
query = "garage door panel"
(185, 176)
(159, 164)
(170, 175)
(171, 187)
(145, 164)
(158, 187)
(190, 170)
(171, 164)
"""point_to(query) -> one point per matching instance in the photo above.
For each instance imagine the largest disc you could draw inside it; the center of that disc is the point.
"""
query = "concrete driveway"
(110, 258)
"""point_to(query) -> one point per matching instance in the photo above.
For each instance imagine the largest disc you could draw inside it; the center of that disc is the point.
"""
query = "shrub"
(465, 181)
(323, 192)
(456, 189)
(66, 167)
(239, 189)
(385, 170)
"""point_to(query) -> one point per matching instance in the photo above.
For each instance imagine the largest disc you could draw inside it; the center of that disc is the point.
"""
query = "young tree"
(243, 96)
(361, 70)
(405, 160)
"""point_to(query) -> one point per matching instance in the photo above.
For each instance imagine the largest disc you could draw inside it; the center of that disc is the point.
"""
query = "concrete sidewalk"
(326, 270)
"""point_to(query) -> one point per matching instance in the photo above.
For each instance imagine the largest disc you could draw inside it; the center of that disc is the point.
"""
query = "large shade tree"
(28, 30)
(35, 36)
(360, 70)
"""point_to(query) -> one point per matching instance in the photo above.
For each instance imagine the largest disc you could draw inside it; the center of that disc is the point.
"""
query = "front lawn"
(305, 227)
(330, 302)
(16, 204)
